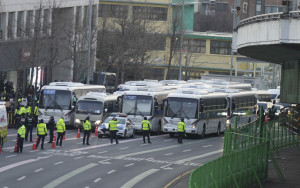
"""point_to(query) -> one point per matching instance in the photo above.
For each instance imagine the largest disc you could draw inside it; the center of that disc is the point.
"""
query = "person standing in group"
(29, 126)
(51, 125)
(41, 130)
(61, 128)
(181, 130)
(21, 136)
(87, 130)
(113, 129)
(146, 127)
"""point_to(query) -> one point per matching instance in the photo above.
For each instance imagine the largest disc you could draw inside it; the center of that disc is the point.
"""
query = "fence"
(245, 156)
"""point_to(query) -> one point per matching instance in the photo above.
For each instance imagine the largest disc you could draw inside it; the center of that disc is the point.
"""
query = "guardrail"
(245, 156)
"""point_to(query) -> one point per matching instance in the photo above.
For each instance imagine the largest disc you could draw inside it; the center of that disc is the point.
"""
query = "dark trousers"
(28, 130)
(113, 135)
(20, 144)
(51, 135)
(86, 134)
(59, 138)
(146, 133)
(180, 136)
(38, 141)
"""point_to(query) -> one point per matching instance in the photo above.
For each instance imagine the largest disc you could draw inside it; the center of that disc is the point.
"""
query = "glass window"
(29, 16)
(182, 107)
(258, 7)
(137, 105)
(9, 26)
(194, 45)
(55, 99)
(46, 21)
(158, 43)
(89, 107)
(220, 47)
(113, 11)
(20, 23)
(150, 13)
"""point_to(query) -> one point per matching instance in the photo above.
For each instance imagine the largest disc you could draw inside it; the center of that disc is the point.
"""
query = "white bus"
(147, 103)
(56, 99)
(203, 112)
(97, 106)
(243, 105)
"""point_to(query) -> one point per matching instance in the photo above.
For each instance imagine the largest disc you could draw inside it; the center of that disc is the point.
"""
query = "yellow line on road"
(177, 178)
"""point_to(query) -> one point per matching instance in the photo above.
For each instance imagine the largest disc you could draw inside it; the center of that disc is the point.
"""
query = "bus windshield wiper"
(177, 112)
(185, 114)
(139, 111)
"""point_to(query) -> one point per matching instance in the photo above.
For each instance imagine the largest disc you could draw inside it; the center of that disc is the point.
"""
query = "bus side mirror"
(201, 107)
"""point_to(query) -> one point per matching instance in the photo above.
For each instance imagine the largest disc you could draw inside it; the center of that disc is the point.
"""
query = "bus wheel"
(203, 132)
(218, 130)
(172, 135)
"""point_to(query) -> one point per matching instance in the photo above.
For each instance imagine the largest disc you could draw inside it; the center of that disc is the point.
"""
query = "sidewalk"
(288, 161)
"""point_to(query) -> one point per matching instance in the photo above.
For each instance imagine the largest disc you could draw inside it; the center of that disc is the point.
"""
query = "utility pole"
(181, 39)
(233, 28)
(89, 42)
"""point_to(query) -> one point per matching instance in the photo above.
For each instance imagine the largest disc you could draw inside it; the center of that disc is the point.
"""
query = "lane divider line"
(138, 178)
(110, 172)
(21, 178)
(206, 146)
(58, 163)
(69, 175)
(96, 180)
(129, 164)
(38, 170)
(178, 177)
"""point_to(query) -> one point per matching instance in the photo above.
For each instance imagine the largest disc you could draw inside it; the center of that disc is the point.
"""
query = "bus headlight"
(194, 126)
(77, 121)
(228, 122)
(97, 122)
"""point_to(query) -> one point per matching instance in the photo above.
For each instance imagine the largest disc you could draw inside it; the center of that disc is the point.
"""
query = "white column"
(14, 25)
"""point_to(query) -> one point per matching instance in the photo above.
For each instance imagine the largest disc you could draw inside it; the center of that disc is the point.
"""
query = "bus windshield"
(137, 105)
(182, 107)
(89, 107)
(55, 99)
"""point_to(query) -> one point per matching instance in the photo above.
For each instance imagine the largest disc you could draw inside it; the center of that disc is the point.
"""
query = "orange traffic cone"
(266, 118)
(16, 146)
(96, 131)
(64, 138)
(54, 136)
(78, 133)
(53, 145)
(0, 149)
(34, 144)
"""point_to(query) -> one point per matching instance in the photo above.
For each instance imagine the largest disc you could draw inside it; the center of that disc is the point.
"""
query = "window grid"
(150, 13)
(220, 47)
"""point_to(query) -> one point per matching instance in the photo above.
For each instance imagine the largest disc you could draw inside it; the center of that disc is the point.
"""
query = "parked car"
(125, 126)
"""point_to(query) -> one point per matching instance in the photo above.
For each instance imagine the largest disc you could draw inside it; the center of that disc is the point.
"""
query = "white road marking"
(79, 157)
(199, 156)
(5, 187)
(206, 146)
(96, 180)
(102, 152)
(87, 187)
(23, 177)
(58, 163)
(7, 167)
(167, 140)
(33, 151)
(186, 150)
(104, 162)
(38, 170)
(143, 144)
(124, 148)
(10, 156)
(169, 154)
(79, 143)
(138, 178)
(111, 172)
(129, 164)
(166, 167)
(69, 175)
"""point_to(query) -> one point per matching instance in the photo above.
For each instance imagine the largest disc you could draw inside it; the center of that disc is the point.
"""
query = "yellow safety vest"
(41, 129)
(87, 125)
(29, 110)
(146, 126)
(60, 126)
(36, 111)
(22, 111)
(113, 125)
(21, 131)
(181, 126)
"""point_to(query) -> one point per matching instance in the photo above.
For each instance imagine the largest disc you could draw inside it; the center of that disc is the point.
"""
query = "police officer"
(51, 125)
(41, 130)
(146, 127)
(181, 130)
(29, 125)
(272, 112)
(113, 129)
(61, 128)
(87, 130)
(21, 136)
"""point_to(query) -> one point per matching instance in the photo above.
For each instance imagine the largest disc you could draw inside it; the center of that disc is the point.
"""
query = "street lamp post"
(181, 39)
(233, 28)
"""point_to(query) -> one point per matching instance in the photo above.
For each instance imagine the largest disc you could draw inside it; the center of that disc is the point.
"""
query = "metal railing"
(247, 150)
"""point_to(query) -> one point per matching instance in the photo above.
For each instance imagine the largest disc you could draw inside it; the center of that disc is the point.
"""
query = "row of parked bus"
(207, 106)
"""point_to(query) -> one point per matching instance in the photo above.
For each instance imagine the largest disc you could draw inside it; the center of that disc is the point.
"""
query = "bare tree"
(219, 22)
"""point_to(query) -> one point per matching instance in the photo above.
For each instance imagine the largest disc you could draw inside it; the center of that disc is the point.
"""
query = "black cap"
(41, 121)
(182, 119)
(145, 118)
